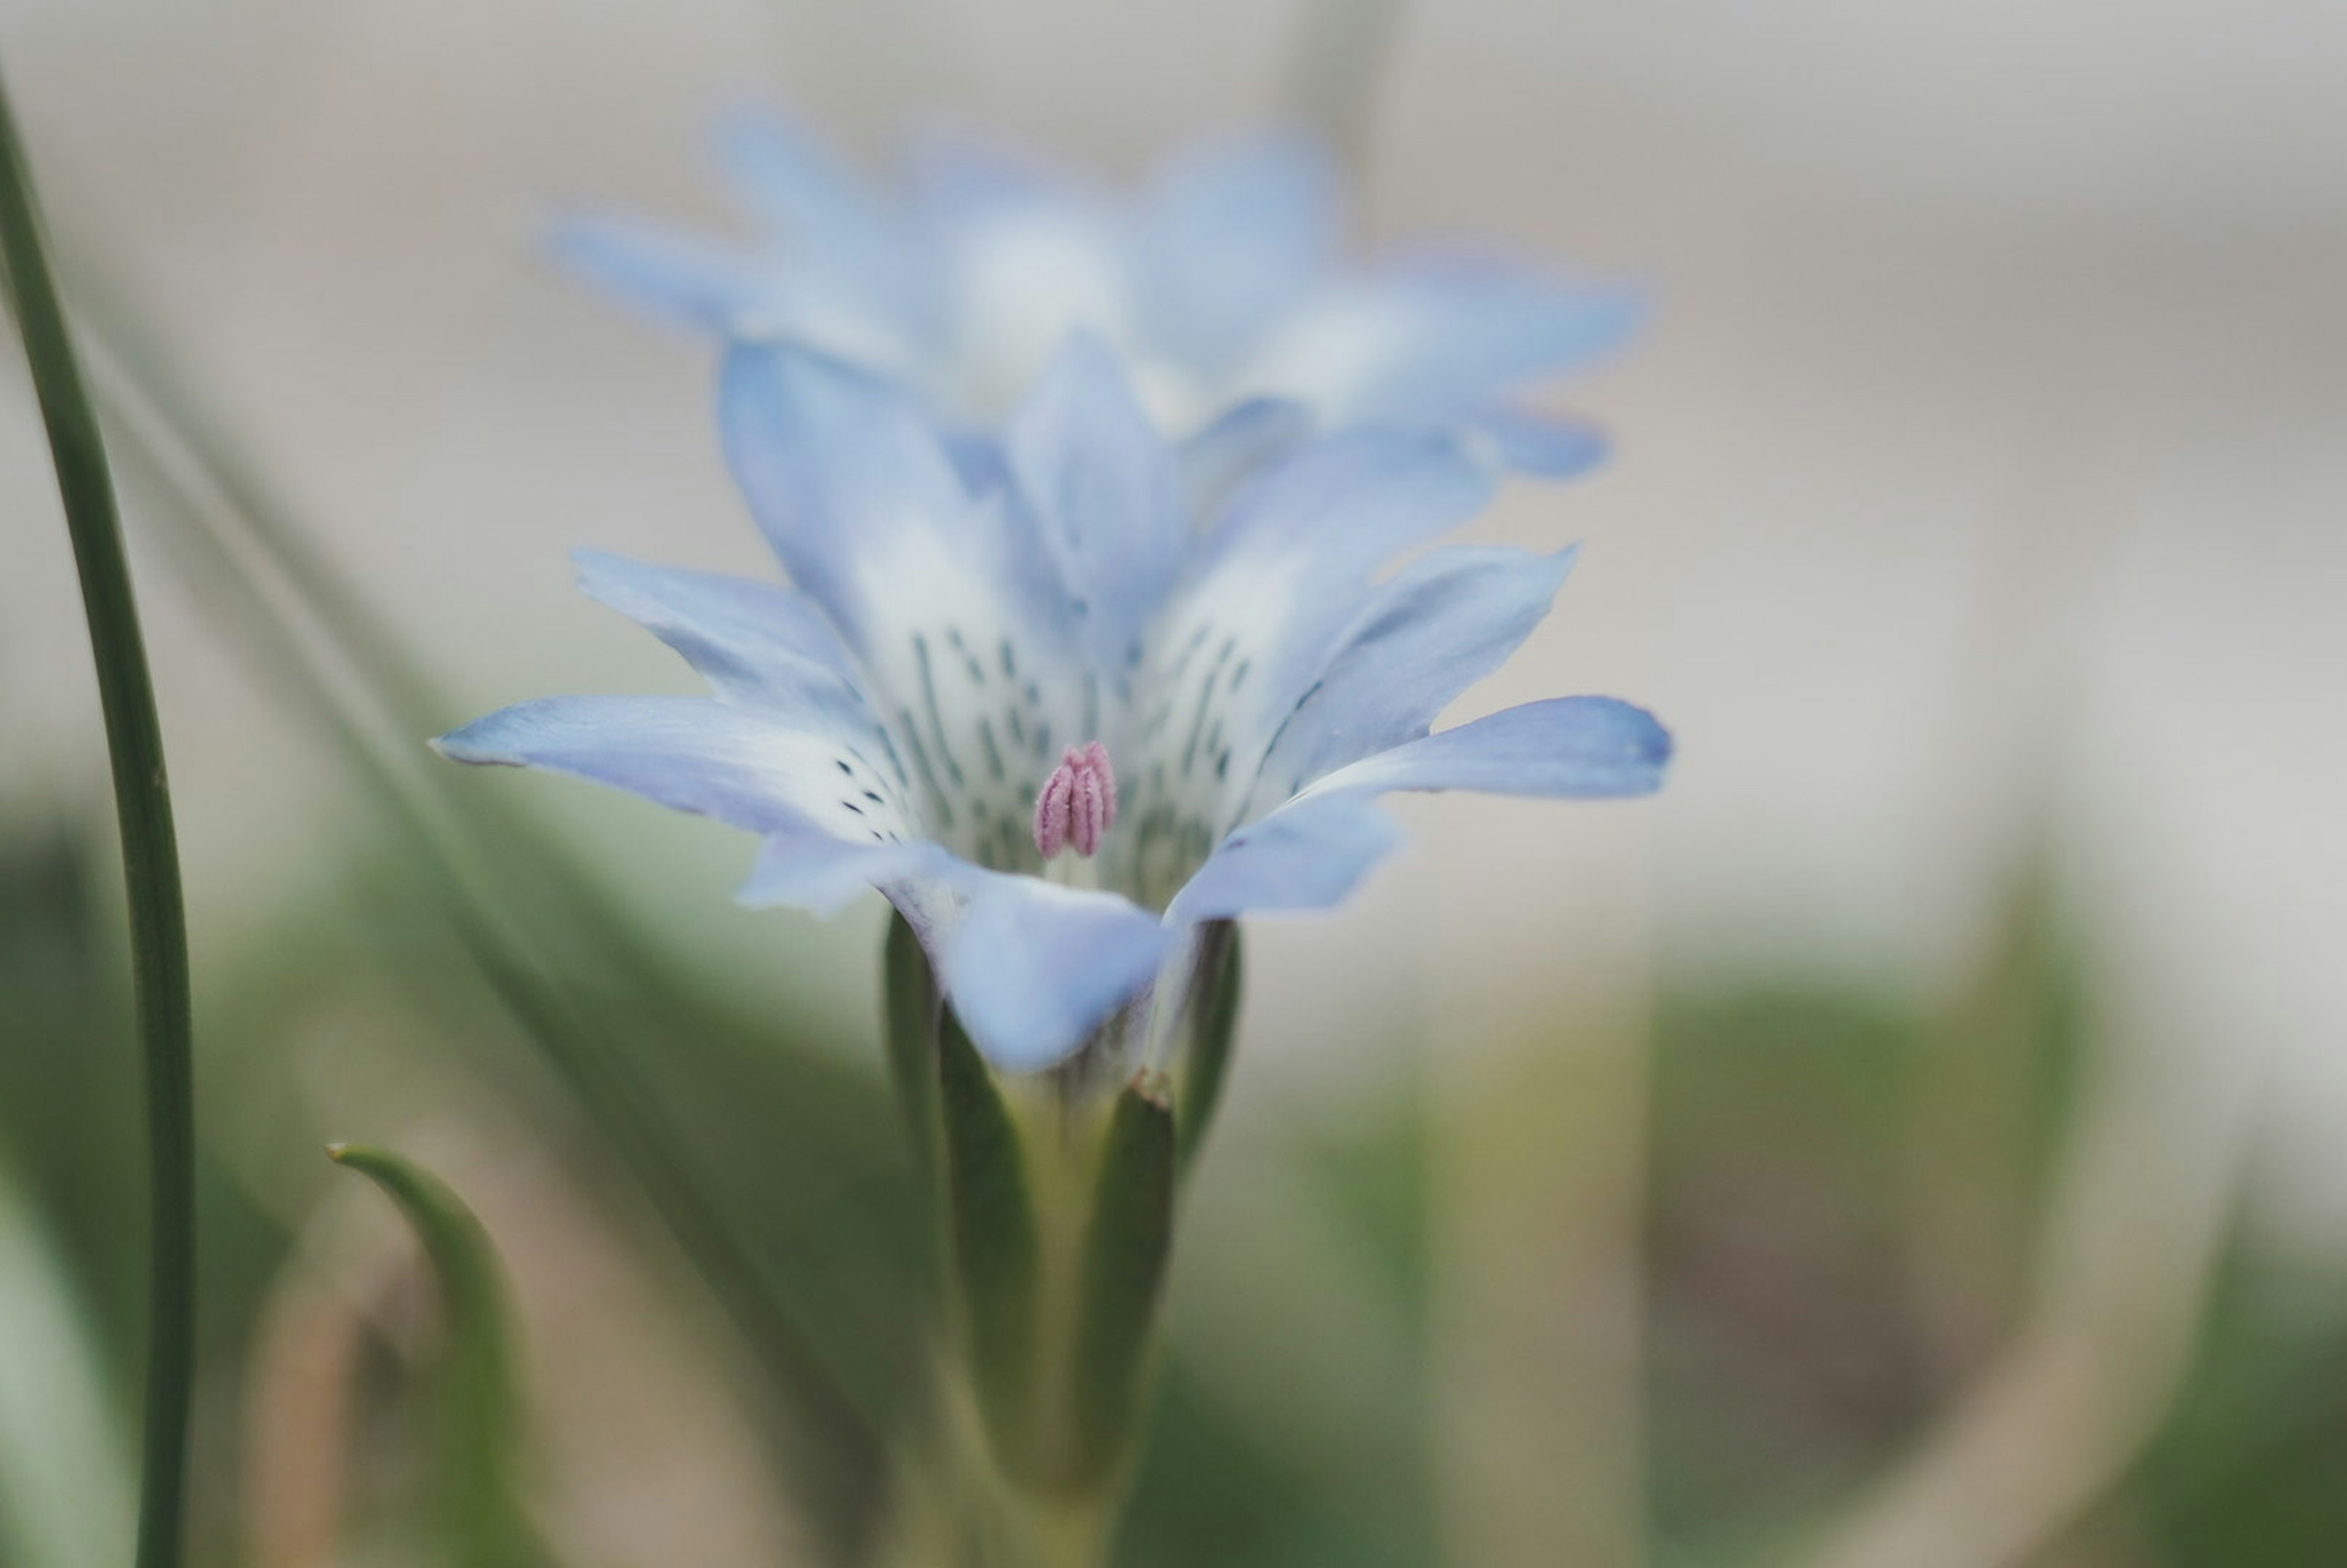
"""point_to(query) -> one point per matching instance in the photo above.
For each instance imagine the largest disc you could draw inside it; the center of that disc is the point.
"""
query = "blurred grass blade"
(479, 1460)
(159, 937)
(997, 1250)
(1211, 1017)
(913, 1015)
(1124, 1273)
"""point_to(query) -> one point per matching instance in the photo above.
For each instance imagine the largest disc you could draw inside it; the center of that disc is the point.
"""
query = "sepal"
(1121, 1278)
(994, 1245)
(1210, 1024)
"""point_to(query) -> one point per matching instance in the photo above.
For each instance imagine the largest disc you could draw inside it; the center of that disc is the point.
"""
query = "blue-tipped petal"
(693, 755)
(1565, 748)
(1102, 485)
(1426, 635)
(1308, 856)
(1033, 968)
(1234, 232)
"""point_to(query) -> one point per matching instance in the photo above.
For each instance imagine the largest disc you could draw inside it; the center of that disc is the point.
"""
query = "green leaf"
(479, 1461)
(996, 1251)
(1212, 1012)
(151, 859)
(910, 993)
(1122, 1275)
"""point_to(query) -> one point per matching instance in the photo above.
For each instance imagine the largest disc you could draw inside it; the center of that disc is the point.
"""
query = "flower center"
(1077, 804)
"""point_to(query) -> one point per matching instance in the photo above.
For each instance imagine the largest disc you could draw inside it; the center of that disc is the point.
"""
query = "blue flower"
(918, 714)
(1218, 282)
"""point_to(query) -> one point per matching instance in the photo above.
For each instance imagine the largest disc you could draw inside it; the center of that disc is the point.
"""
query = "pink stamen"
(1076, 804)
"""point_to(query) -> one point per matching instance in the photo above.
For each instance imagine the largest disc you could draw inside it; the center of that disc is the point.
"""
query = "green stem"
(150, 863)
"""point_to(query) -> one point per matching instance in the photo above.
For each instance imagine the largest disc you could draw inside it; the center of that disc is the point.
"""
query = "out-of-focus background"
(1918, 1138)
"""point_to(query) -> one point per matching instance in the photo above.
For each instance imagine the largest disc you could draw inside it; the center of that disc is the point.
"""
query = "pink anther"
(1078, 803)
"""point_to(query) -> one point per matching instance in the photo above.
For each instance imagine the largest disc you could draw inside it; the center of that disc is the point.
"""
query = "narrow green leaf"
(479, 1459)
(151, 860)
(1212, 1012)
(1123, 1274)
(996, 1251)
(910, 994)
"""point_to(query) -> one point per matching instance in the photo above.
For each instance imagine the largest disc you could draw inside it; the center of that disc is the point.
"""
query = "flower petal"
(1308, 856)
(1244, 639)
(1314, 851)
(1434, 336)
(1033, 968)
(858, 493)
(1234, 232)
(690, 753)
(681, 278)
(757, 644)
(1102, 485)
(832, 218)
(1032, 252)
(1546, 446)
(1241, 441)
(1579, 748)
(802, 868)
(955, 612)
(1429, 632)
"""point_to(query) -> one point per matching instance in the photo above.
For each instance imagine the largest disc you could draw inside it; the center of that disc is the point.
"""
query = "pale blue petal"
(1295, 552)
(1426, 634)
(1310, 855)
(1101, 487)
(1350, 502)
(1243, 639)
(1311, 852)
(684, 280)
(1033, 968)
(959, 621)
(1546, 446)
(734, 622)
(1239, 443)
(830, 216)
(1232, 232)
(1479, 324)
(751, 769)
(755, 643)
(858, 493)
(963, 176)
(1575, 748)
(1437, 339)
(805, 869)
